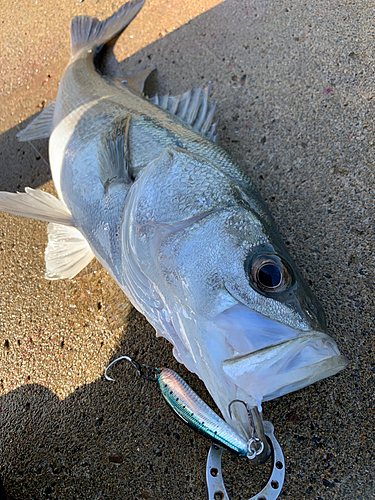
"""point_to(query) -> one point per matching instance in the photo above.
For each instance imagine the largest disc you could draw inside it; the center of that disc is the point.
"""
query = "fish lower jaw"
(274, 371)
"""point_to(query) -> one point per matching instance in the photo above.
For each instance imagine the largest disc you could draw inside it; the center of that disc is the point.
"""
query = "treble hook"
(246, 406)
(258, 446)
(150, 373)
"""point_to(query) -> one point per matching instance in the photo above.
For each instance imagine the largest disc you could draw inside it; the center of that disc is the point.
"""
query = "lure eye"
(269, 274)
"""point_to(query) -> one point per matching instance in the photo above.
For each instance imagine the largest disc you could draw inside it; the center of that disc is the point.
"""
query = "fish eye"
(268, 273)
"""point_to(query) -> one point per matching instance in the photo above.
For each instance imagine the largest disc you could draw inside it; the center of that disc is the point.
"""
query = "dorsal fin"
(136, 81)
(193, 108)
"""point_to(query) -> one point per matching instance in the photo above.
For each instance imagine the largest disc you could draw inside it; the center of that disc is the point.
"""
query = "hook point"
(112, 363)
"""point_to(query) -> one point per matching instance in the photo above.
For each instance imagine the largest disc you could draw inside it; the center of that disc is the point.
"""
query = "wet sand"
(294, 83)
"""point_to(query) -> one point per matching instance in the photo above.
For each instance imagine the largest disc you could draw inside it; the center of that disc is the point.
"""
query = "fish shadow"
(22, 164)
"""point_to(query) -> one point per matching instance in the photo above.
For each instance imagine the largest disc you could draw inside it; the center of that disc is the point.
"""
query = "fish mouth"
(241, 354)
(274, 371)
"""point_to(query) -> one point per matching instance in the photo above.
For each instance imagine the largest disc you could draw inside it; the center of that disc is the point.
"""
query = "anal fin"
(41, 127)
(113, 162)
(67, 252)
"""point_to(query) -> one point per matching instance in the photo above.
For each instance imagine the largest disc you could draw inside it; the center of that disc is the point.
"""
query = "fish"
(143, 186)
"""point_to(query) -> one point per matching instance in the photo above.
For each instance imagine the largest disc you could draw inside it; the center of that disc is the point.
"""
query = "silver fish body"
(179, 226)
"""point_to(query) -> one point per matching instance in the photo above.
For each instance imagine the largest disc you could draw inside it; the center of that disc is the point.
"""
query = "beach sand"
(294, 82)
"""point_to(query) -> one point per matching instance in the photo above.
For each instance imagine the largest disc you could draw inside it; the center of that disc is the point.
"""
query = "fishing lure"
(192, 410)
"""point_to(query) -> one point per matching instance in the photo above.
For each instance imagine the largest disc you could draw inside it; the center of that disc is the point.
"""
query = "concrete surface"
(294, 83)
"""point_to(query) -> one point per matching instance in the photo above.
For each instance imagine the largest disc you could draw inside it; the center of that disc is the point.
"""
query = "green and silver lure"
(192, 410)
(200, 417)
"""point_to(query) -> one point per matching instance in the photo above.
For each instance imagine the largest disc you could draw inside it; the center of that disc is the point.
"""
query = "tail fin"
(88, 33)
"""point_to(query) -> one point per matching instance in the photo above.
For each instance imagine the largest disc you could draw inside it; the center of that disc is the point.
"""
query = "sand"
(294, 82)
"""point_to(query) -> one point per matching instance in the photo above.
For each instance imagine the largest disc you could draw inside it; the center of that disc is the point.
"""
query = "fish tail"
(88, 33)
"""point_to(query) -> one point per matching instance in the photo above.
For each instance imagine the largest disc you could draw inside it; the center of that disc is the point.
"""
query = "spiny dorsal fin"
(193, 108)
(136, 81)
(41, 127)
(88, 33)
(113, 163)
(67, 252)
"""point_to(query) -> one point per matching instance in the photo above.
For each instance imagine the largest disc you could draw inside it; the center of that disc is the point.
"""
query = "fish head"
(239, 313)
(249, 310)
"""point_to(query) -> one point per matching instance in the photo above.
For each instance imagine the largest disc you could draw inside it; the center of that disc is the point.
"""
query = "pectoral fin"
(113, 158)
(36, 204)
(67, 252)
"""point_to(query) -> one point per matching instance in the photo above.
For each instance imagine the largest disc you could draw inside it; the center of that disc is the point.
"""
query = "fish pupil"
(269, 275)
